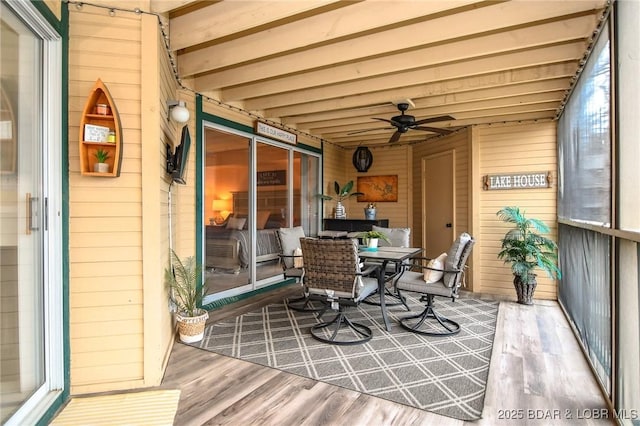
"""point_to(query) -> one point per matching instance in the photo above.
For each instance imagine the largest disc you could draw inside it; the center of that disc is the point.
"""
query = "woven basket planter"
(524, 290)
(191, 329)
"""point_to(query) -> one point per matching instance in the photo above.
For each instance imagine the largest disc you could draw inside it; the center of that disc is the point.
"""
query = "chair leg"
(341, 322)
(446, 326)
(303, 304)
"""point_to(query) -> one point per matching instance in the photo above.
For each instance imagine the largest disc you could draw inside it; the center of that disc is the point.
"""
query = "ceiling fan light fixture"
(362, 159)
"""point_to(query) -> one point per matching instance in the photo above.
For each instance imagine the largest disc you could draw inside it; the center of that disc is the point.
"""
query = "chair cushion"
(236, 223)
(414, 281)
(453, 258)
(398, 237)
(431, 275)
(290, 241)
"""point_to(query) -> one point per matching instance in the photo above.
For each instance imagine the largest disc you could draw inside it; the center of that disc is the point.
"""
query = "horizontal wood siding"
(509, 149)
(105, 214)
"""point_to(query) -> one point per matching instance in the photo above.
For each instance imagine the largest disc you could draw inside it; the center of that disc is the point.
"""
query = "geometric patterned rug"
(444, 375)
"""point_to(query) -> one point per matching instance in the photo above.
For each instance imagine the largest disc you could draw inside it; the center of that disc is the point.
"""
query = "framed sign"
(378, 188)
(522, 180)
(272, 177)
(276, 133)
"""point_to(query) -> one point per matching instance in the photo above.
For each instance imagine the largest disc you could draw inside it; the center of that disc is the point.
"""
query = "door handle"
(32, 213)
(448, 225)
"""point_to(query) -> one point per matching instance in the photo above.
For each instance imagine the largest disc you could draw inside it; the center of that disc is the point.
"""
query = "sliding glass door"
(31, 351)
(252, 187)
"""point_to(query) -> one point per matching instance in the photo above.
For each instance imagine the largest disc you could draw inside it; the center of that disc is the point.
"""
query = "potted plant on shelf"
(525, 248)
(371, 238)
(342, 193)
(183, 279)
(101, 166)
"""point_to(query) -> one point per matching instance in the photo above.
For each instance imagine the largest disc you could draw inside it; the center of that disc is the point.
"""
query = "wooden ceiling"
(328, 67)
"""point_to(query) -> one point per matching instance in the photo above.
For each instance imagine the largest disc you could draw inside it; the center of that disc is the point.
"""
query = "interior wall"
(512, 148)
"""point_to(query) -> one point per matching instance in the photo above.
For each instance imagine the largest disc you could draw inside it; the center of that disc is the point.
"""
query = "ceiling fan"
(405, 122)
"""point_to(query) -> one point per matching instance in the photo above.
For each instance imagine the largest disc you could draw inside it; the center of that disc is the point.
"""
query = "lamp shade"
(362, 159)
(220, 205)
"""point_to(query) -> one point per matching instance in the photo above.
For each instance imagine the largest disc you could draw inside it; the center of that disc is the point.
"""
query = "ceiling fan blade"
(433, 129)
(434, 119)
(393, 123)
(395, 137)
(370, 130)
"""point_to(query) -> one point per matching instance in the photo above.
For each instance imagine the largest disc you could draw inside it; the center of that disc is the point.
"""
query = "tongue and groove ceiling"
(327, 68)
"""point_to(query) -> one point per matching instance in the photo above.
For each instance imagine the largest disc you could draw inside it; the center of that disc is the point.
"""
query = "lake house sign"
(523, 180)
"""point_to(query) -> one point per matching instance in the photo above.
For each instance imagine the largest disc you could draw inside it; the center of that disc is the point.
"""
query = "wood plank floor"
(537, 376)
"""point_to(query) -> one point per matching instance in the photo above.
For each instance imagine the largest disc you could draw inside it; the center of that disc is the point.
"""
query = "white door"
(438, 183)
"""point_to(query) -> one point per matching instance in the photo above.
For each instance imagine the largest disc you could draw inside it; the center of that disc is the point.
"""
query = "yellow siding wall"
(387, 160)
(508, 149)
(120, 326)
(333, 169)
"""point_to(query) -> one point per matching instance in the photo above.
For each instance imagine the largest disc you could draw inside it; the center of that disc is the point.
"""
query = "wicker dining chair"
(333, 277)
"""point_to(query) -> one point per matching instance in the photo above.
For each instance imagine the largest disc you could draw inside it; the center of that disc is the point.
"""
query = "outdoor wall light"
(362, 159)
(178, 111)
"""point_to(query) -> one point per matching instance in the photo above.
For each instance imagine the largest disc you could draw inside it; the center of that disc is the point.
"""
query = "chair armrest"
(369, 269)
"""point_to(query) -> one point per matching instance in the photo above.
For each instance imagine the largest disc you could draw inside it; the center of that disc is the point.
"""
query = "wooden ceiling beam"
(502, 78)
(537, 36)
(313, 31)
(512, 61)
(443, 100)
(222, 20)
(361, 122)
(550, 107)
(355, 19)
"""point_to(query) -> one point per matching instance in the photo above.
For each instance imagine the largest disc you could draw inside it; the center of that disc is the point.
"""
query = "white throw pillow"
(431, 276)
(236, 222)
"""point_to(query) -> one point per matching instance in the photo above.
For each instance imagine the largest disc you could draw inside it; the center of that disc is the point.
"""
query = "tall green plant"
(183, 279)
(524, 247)
(342, 192)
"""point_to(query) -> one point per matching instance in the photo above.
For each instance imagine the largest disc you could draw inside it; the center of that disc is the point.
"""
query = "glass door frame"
(212, 122)
(44, 401)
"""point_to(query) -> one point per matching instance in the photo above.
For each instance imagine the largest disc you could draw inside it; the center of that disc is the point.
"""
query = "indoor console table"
(353, 225)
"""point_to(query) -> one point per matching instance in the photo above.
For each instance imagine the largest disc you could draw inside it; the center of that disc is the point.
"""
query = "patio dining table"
(385, 255)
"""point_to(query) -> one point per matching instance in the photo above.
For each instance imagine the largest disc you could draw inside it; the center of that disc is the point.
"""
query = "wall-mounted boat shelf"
(100, 129)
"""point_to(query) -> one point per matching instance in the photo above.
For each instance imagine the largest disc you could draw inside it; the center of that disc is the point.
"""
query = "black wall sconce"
(362, 159)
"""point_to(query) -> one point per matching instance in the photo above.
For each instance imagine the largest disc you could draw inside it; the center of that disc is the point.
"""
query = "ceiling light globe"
(180, 113)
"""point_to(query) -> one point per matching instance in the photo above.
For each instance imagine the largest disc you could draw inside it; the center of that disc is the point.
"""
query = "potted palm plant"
(371, 238)
(184, 279)
(525, 248)
(342, 193)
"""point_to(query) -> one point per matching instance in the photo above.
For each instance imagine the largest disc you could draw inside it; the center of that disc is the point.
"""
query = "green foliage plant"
(373, 234)
(524, 246)
(101, 155)
(183, 279)
(342, 192)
